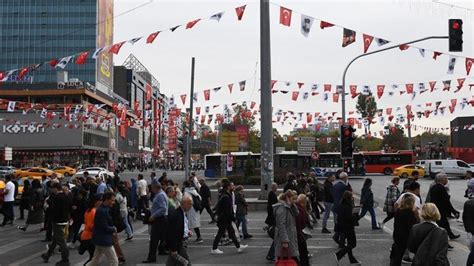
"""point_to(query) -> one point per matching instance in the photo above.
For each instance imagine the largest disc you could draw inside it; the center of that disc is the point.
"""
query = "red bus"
(386, 162)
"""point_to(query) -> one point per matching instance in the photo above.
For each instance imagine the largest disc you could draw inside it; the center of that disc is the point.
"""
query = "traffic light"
(347, 139)
(455, 35)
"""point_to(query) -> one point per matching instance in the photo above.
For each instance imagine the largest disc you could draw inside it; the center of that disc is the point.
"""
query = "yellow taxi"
(65, 170)
(19, 171)
(35, 172)
(408, 170)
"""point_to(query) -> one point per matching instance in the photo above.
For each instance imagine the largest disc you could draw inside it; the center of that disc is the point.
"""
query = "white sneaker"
(216, 252)
(242, 248)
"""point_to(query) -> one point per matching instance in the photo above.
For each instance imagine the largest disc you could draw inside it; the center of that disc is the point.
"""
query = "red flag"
(429, 104)
(436, 54)
(115, 49)
(207, 95)
(469, 62)
(294, 95)
(460, 83)
(452, 108)
(300, 84)
(353, 89)
(432, 85)
(309, 118)
(325, 24)
(285, 16)
(191, 24)
(453, 102)
(380, 89)
(367, 41)
(152, 37)
(53, 62)
(230, 87)
(198, 110)
(388, 111)
(148, 92)
(2, 76)
(240, 11)
(203, 119)
(183, 98)
(409, 88)
(81, 59)
(335, 97)
(327, 87)
(136, 105)
(252, 105)
(403, 47)
(273, 83)
(23, 72)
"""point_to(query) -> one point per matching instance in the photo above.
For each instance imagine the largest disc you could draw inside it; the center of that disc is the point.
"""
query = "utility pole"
(266, 127)
(189, 137)
(409, 114)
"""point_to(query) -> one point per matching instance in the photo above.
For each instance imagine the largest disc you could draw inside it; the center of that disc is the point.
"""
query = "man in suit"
(441, 198)
(178, 232)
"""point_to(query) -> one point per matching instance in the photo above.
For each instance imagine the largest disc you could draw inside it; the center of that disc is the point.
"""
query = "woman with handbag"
(345, 226)
(286, 238)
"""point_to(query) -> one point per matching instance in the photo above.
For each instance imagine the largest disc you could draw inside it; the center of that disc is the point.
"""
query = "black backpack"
(197, 204)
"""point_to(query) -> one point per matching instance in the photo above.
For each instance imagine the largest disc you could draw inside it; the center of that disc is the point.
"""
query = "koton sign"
(22, 129)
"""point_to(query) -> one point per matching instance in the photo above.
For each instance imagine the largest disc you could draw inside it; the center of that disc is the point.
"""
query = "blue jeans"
(372, 215)
(128, 229)
(327, 212)
(241, 219)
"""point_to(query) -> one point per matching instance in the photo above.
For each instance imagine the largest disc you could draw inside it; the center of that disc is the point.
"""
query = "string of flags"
(82, 57)
(440, 129)
(349, 37)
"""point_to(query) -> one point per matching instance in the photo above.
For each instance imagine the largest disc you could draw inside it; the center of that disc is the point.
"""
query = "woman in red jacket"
(86, 235)
(301, 222)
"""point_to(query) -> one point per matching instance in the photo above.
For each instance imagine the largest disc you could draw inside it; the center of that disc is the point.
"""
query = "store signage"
(22, 129)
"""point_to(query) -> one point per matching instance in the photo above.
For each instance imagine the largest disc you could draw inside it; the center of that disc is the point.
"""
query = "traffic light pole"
(189, 137)
(343, 99)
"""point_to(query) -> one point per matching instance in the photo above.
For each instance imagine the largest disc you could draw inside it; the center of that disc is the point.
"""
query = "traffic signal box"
(347, 140)
(455, 35)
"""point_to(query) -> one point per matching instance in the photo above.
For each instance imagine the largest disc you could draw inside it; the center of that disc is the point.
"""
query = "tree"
(396, 139)
(243, 116)
(254, 141)
(367, 107)
(364, 144)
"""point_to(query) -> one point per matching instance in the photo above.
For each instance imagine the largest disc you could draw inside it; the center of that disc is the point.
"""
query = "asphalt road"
(25, 248)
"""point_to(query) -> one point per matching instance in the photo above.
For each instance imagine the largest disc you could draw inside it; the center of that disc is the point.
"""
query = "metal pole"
(409, 129)
(343, 99)
(189, 137)
(266, 127)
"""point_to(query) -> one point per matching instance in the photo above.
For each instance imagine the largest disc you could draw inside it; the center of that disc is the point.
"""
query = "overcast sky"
(228, 51)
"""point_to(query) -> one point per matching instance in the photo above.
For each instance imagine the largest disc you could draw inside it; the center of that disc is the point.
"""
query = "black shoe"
(22, 228)
(247, 236)
(270, 258)
(121, 260)
(162, 253)
(354, 261)
(325, 231)
(454, 237)
(149, 261)
(450, 247)
(407, 260)
(45, 257)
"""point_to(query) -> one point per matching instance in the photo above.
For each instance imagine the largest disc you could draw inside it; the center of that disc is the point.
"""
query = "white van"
(450, 167)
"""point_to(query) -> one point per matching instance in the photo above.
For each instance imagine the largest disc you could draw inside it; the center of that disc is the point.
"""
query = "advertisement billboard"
(105, 37)
(234, 138)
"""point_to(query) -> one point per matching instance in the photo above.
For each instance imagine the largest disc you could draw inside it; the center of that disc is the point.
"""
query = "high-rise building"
(37, 31)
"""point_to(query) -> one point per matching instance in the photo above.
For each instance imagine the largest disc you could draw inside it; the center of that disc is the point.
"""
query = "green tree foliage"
(367, 107)
(364, 144)
(396, 139)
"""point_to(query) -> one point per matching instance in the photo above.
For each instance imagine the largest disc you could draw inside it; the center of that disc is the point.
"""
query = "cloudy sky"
(228, 51)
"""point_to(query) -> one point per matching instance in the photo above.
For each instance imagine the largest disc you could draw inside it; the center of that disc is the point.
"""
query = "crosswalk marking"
(15, 244)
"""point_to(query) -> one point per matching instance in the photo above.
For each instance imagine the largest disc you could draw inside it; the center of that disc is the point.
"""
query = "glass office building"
(36, 31)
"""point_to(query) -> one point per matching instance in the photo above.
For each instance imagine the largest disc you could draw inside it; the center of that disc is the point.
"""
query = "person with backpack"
(427, 240)
(194, 215)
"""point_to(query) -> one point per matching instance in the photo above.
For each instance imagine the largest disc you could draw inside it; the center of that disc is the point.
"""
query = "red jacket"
(301, 221)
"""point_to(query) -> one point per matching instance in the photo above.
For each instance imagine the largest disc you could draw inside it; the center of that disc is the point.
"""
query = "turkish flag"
(152, 37)
(325, 24)
(285, 16)
(53, 62)
(252, 105)
(191, 24)
(432, 85)
(207, 95)
(460, 83)
(453, 102)
(309, 118)
(436, 54)
(367, 41)
(469, 62)
(23, 72)
(81, 59)
(403, 47)
(148, 92)
(240, 11)
(136, 105)
(273, 83)
(294, 95)
(230, 87)
(409, 88)
(451, 109)
(198, 110)
(183, 98)
(327, 87)
(388, 111)
(335, 97)
(353, 89)
(115, 49)
(300, 84)
(380, 89)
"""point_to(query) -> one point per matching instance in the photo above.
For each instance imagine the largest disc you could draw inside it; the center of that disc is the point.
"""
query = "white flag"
(97, 52)
(135, 40)
(11, 106)
(217, 16)
(422, 51)
(44, 112)
(63, 62)
(9, 73)
(452, 62)
(306, 24)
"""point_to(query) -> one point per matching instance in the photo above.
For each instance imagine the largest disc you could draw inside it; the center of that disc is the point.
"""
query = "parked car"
(93, 173)
(65, 170)
(409, 170)
(6, 170)
(97, 169)
(453, 167)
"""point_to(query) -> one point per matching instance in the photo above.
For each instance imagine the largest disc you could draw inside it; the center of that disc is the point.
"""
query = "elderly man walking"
(178, 232)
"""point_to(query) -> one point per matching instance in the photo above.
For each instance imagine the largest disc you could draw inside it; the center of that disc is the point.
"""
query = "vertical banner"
(105, 31)
(148, 92)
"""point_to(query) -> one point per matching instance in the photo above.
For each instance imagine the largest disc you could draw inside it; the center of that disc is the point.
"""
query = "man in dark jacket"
(291, 183)
(338, 190)
(225, 217)
(102, 232)
(60, 207)
(440, 197)
(205, 194)
(468, 220)
(178, 232)
(328, 202)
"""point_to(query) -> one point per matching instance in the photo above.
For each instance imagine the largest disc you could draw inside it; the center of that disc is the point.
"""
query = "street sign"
(315, 155)
(306, 145)
(8, 154)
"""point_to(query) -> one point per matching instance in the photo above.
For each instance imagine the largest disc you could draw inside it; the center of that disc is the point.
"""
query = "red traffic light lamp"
(456, 25)
(455, 35)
